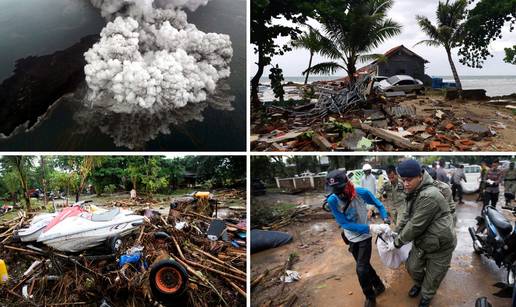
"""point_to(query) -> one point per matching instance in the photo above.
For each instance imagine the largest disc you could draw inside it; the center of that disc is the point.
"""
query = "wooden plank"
(322, 142)
(392, 137)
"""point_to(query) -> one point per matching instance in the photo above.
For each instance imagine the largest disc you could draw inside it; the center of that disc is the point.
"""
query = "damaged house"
(401, 61)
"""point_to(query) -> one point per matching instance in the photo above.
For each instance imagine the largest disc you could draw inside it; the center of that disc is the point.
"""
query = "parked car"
(401, 83)
(472, 173)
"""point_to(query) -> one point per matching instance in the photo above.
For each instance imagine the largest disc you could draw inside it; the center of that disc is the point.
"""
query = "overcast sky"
(404, 12)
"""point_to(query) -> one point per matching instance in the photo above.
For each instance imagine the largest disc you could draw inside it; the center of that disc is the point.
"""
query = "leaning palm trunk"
(308, 69)
(455, 74)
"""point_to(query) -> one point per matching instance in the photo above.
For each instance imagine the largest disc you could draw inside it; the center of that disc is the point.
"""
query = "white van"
(472, 173)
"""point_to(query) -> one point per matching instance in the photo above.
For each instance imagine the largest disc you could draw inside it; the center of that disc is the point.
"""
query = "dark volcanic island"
(38, 81)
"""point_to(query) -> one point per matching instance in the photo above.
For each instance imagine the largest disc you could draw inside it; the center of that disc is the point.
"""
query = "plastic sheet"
(392, 258)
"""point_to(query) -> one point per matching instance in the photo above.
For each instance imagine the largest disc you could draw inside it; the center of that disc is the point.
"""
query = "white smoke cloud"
(149, 57)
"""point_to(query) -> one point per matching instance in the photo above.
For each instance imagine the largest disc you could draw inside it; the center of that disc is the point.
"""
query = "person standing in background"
(509, 185)
(493, 179)
(441, 172)
(368, 181)
(456, 187)
(483, 178)
(394, 192)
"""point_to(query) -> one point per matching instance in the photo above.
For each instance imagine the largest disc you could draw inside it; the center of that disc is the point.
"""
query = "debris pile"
(358, 119)
(169, 259)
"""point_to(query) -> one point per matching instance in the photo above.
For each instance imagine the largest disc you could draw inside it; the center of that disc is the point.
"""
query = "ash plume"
(149, 57)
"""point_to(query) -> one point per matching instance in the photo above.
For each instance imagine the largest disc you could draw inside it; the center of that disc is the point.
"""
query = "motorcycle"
(495, 237)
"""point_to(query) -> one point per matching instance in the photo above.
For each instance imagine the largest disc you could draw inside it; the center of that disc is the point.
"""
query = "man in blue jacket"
(349, 207)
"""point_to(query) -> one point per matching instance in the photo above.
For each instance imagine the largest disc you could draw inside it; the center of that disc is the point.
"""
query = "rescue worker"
(433, 171)
(368, 181)
(493, 180)
(456, 187)
(349, 207)
(446, 191)
(509, 184)
(441, 172)
(427, 222)
(394, 193)
(483, 178)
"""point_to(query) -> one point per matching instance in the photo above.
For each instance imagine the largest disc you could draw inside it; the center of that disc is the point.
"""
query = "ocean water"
(494, 85)
(39, 27)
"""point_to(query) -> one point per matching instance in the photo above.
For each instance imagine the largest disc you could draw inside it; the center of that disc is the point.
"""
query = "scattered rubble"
(154, 265)
(359, 119)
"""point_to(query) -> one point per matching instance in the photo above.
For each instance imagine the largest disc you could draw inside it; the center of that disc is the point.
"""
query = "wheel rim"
(117, 244)
(511, 275)
(168, 280)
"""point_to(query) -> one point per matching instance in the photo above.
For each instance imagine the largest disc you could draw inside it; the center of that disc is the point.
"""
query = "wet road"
(328, 270)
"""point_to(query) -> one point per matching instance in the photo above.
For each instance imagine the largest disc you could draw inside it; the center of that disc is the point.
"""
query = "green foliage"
(276, 77)
(340, 127)
(311, 41)
(264, 29)
(483, 26)
(110, 188)
(349, 35)
(510, 55)
(12, 184)
(448, 32)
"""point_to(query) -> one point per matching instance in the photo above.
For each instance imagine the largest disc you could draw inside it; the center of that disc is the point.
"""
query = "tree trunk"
(256, 79)
(44, 181)
(309, 65)
(351, 70)
(13, 195)
(454, 71)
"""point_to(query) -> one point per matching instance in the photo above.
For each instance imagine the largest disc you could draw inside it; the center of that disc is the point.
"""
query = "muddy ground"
(328, 275)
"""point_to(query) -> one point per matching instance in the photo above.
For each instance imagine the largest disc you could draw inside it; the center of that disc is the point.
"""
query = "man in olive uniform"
(447, 193)
(509, 184)
(427, 222)
(394, 193)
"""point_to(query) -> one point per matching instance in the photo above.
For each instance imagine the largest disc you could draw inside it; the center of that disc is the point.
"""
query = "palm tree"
(308, 40)
(448, 32)
(350, 35)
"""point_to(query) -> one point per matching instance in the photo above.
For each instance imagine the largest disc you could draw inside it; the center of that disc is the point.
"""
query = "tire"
(113, 244)
(511, 275)
(326, 207)
(168, 280)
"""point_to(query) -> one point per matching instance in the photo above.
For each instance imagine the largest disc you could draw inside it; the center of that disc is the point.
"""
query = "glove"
(379, 228)
(390, 246)
(387, 221)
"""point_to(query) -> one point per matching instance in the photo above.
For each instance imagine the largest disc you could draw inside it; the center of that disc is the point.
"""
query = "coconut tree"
(350, 35)
(310, 40)
(448, 32)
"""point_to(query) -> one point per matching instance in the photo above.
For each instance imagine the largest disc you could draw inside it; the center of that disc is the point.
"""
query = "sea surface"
(494, 85)
(39, 27)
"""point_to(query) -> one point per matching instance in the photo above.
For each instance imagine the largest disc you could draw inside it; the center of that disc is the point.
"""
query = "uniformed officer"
(394, 192)
(427, 222)
(509, 184)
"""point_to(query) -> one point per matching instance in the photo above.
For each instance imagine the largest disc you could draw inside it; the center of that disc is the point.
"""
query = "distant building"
(398, 61)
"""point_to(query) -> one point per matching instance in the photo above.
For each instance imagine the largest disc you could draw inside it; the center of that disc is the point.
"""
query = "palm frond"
(324, 68)
(429, 42)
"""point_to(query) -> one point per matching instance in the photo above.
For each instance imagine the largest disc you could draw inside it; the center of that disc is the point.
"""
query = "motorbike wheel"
(511, 275)
(168, 280)
(113, 244)
(326, 207)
